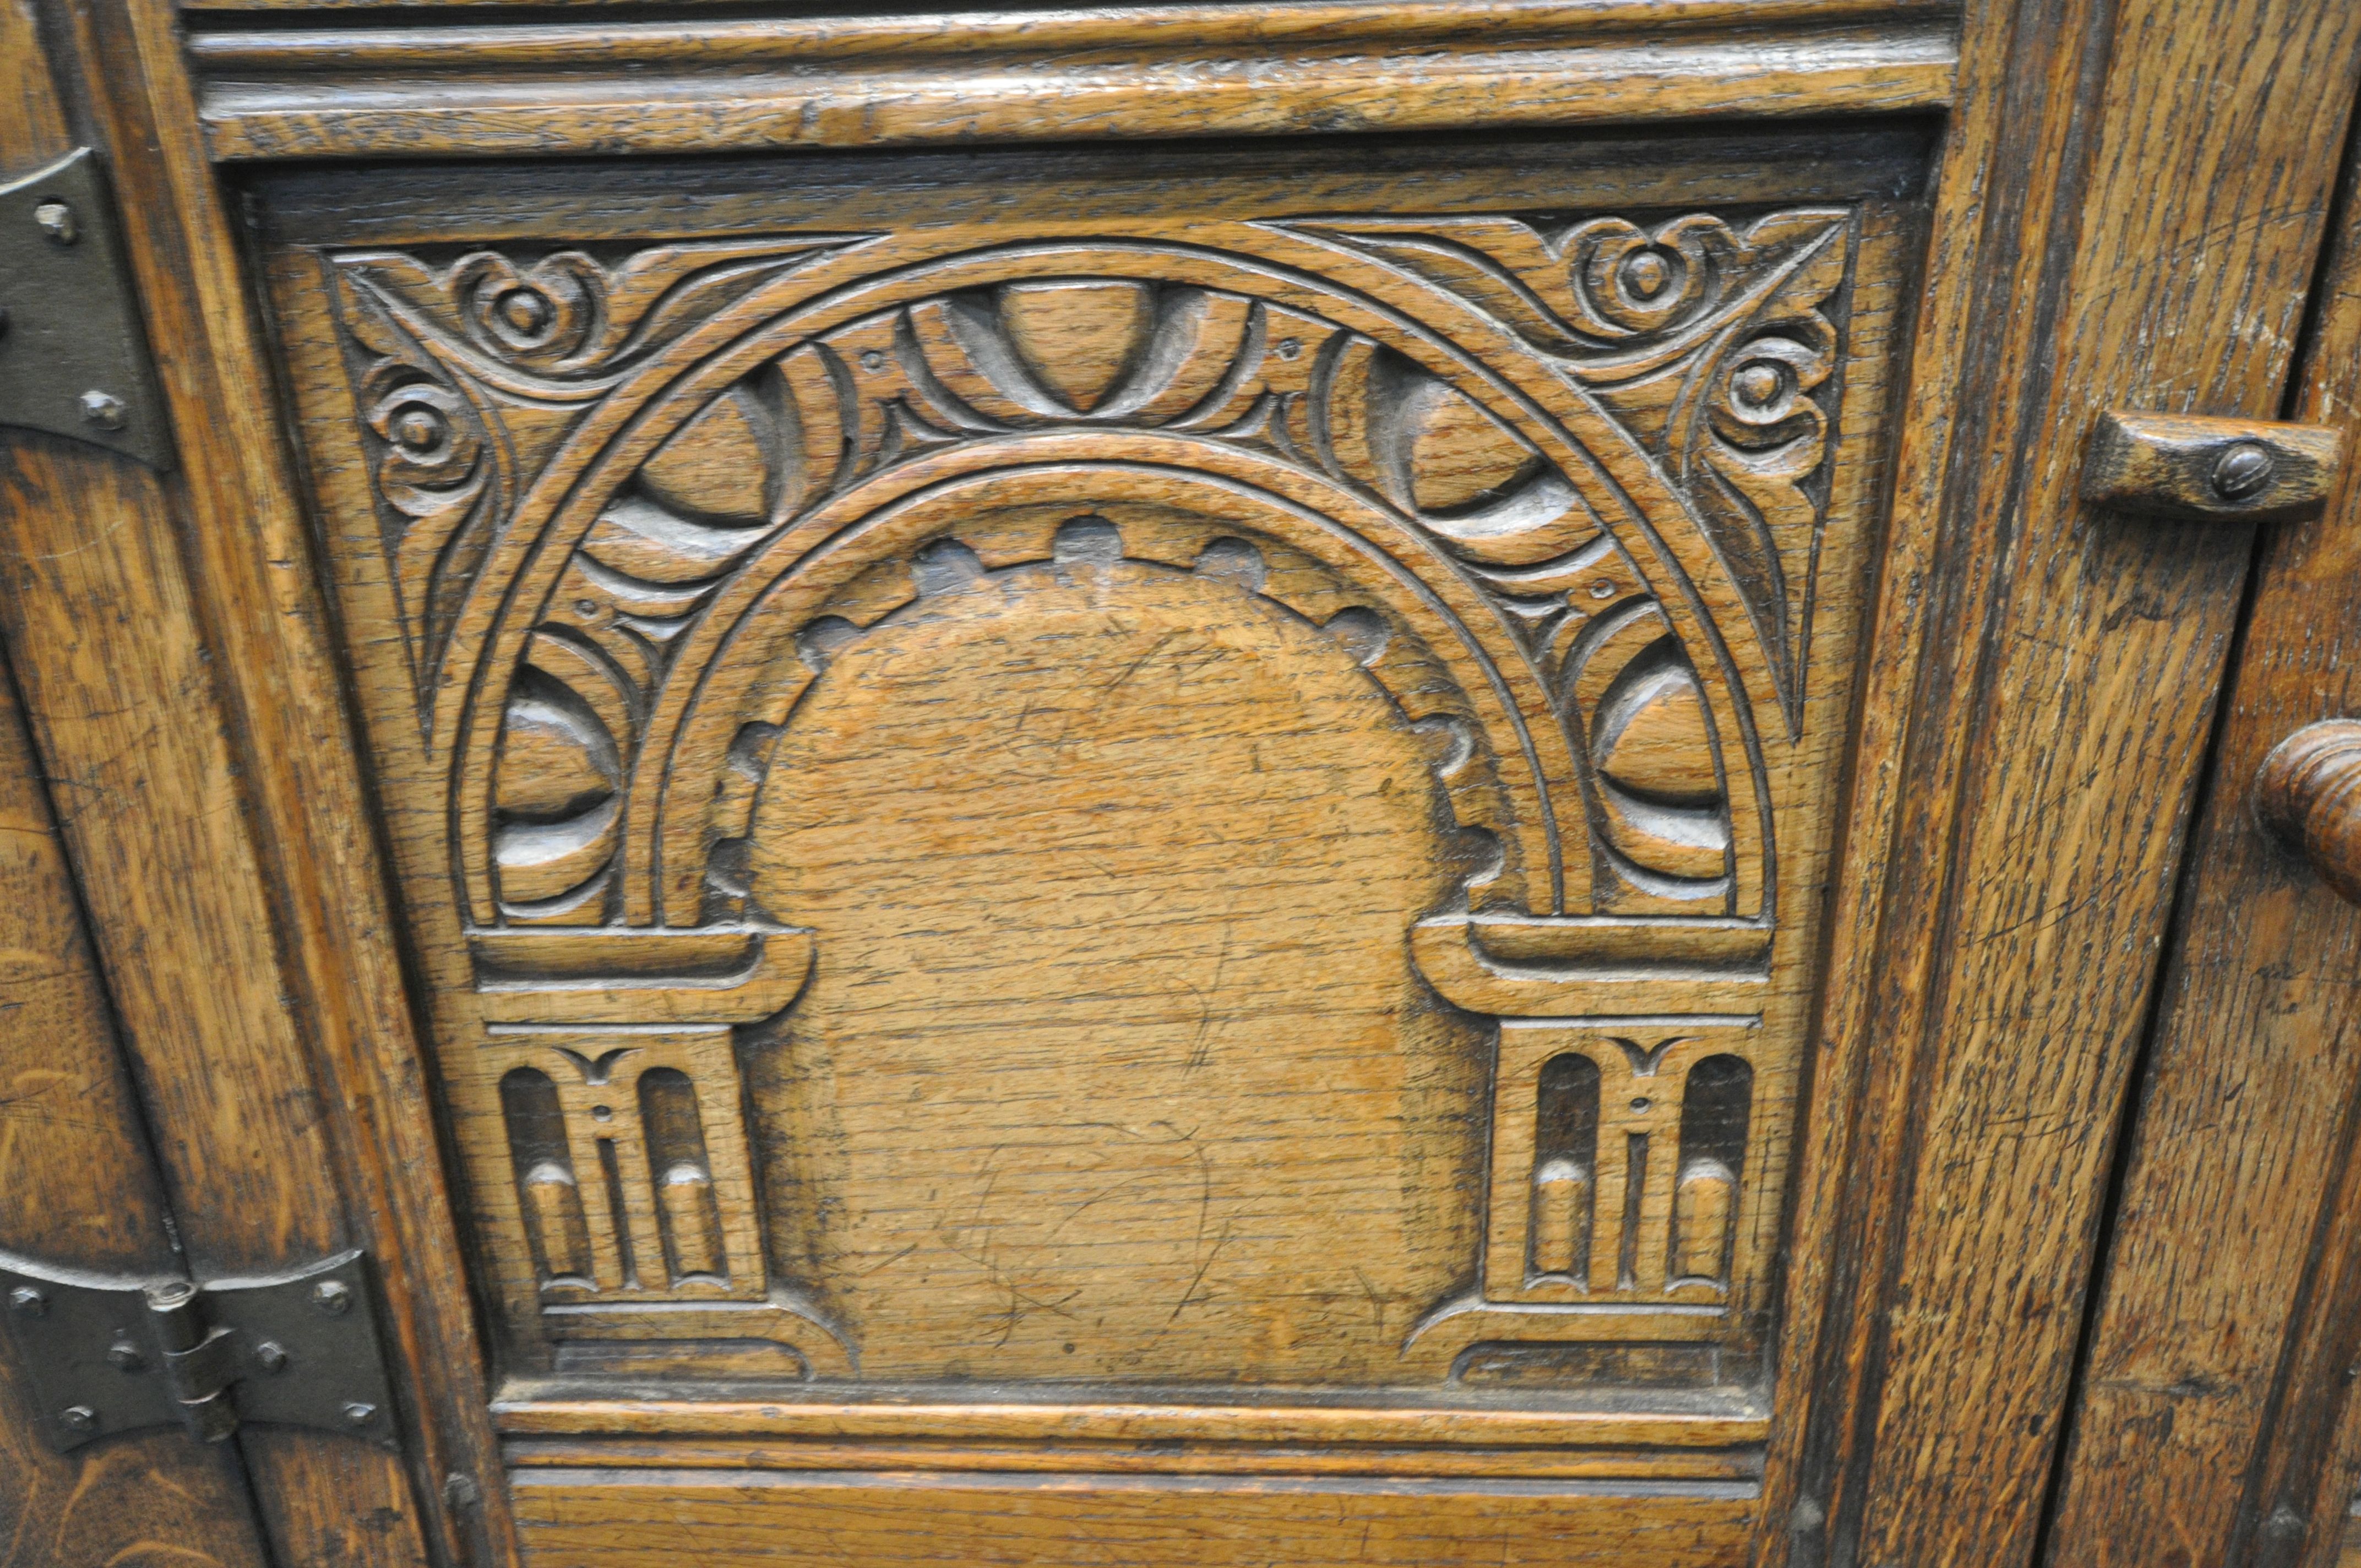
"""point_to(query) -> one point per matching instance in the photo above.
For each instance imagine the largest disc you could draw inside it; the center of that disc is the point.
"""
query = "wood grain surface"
(1086, 692)
(2218, 1364)
(192, 751)
(83, 1194)
(628, 1519)
(2039, 705)
(85, 1189)
(689, 85)
(1179, 802)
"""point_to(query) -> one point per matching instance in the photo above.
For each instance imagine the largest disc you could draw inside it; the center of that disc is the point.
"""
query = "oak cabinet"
(1353, 784)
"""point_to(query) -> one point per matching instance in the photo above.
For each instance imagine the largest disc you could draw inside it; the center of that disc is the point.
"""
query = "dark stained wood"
(2191, 465)
(2219, 1352)
(1161, 72)
(2058, 709)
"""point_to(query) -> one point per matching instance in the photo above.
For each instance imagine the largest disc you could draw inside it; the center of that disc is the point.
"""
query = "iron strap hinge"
(104, 1355)
(73, 361)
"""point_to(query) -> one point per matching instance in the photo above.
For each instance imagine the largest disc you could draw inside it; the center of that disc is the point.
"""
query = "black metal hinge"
(106, 1356)
(72, 360)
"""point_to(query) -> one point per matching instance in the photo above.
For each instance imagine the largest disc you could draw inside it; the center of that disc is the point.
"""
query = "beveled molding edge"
(1209, 69)
(1718, 1433)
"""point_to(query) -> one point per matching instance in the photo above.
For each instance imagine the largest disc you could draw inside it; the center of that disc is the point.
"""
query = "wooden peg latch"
(2201, 468)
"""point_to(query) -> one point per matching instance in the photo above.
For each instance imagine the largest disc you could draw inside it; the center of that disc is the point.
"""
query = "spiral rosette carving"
(1625, 282)
(1711, 344)
(544, 316)
(470, 374)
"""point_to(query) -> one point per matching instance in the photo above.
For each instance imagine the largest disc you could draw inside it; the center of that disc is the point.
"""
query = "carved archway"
(1559, 471)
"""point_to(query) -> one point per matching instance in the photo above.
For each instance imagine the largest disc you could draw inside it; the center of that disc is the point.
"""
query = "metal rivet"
(333, 1295)
(125, 1356)
(461, 1491)
(104, 410)
(2241, 470)
(57, 221)
(79, 1417)
(27, 1300)
(359, 1415)
(272, 1354)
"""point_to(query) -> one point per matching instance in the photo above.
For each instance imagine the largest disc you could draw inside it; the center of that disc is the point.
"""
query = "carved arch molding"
(1517, 555)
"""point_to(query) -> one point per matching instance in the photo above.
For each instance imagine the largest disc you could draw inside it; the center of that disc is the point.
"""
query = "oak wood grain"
(2218, 1355)
(1178, 71)
(86, 1195)
(535, 1408)
(85, 1189)
(626, 1520)
(140, 665)
(1147, 1456)
(1113, 1067)
(2042, 776)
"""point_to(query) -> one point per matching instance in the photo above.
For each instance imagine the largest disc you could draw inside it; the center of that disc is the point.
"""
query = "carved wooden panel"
(1216, 796)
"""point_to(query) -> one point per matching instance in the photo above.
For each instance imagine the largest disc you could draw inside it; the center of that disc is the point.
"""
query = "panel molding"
(1576, 499)
(1210, 71)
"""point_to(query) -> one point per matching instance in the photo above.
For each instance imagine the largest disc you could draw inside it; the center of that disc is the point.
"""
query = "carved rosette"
(1557, 486)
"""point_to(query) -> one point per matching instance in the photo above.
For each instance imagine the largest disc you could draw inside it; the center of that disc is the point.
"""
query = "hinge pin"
(108, 1356)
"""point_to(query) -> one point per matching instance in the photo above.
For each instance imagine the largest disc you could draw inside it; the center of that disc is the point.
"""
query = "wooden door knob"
(2308, 796)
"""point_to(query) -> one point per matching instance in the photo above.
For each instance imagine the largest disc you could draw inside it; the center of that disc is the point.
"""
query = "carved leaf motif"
(1709, 345)
(469, 374)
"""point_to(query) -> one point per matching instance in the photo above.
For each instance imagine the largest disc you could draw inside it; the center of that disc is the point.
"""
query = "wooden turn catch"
(2202, 468)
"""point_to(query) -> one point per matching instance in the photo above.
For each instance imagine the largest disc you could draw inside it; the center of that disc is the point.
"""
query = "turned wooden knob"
(2308, 796)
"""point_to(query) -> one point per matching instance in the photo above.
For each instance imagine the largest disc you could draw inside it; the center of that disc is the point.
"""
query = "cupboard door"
(85, 1196)
(2207, 1423)
(1315, 849)
(1117, 818)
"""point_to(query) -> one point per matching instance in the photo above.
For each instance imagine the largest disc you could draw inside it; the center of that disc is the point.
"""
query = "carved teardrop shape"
(718, 465)
(554, 790)
(1078, 336)
(1650, 734)
(1422, 442)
